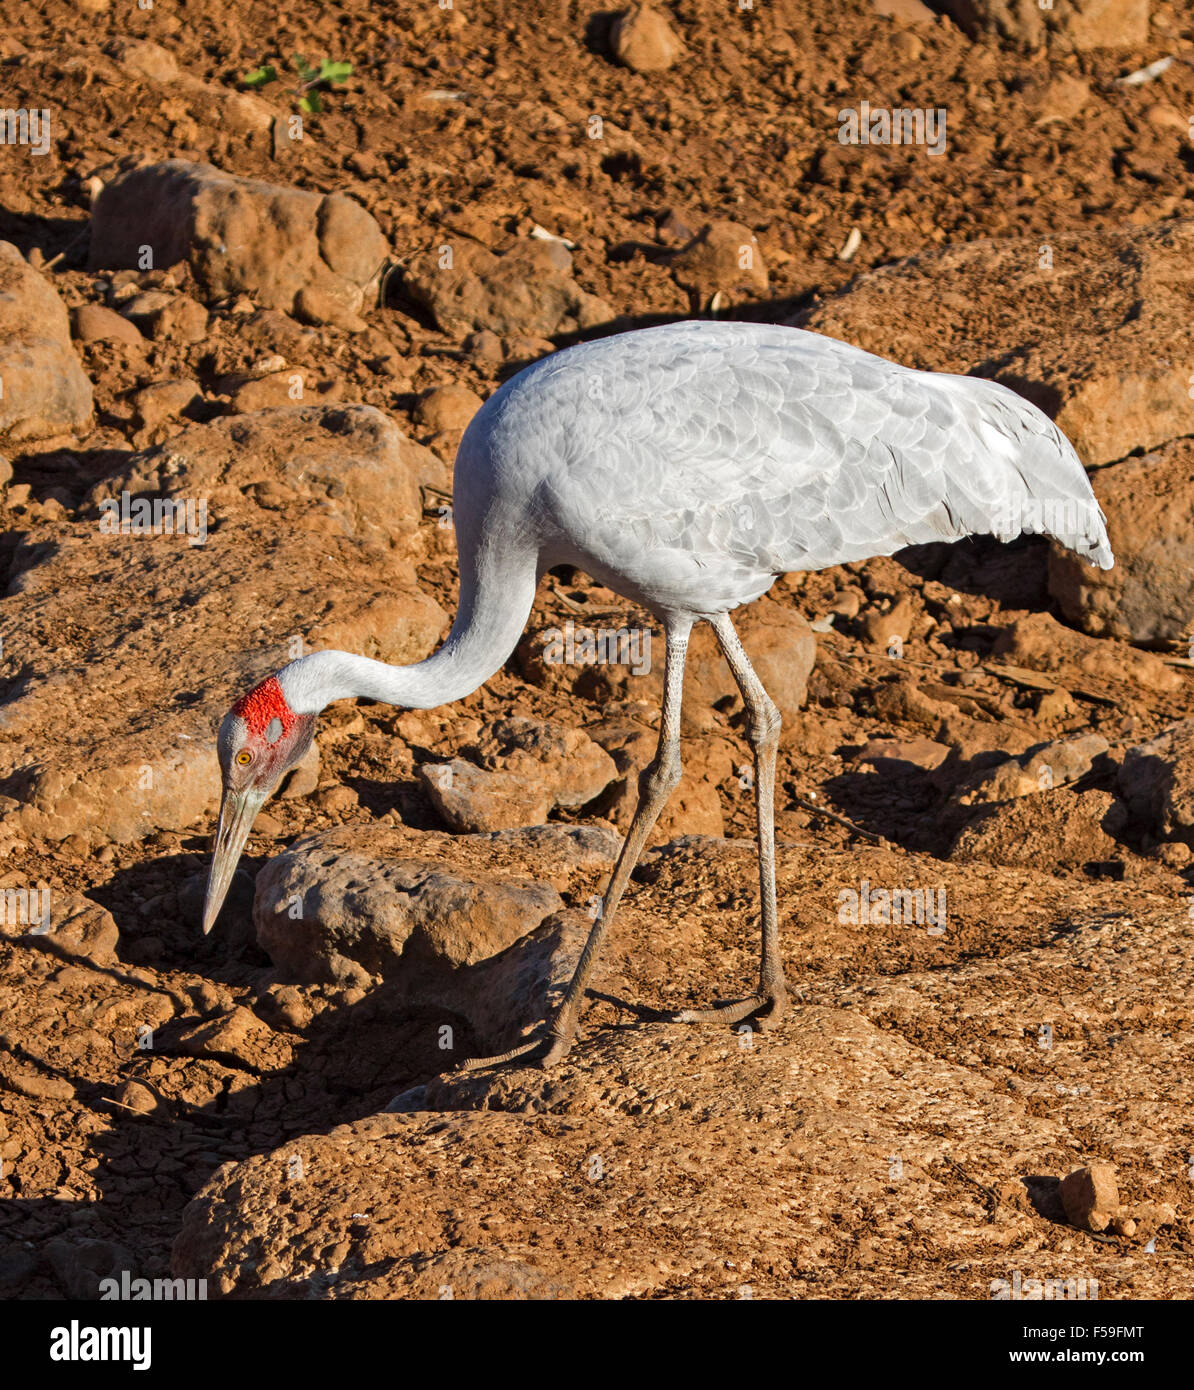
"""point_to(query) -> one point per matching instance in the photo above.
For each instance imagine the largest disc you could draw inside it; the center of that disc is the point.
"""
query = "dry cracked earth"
(239, 344)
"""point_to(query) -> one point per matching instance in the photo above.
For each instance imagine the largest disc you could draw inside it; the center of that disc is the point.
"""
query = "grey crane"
(686, 467)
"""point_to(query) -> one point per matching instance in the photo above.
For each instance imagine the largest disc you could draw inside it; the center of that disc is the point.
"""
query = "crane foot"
(769, 1009)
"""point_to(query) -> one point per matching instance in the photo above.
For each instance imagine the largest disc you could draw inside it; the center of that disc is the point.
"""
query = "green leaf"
(334, 72)
(311, 103)
(260, 76)
(304, 70)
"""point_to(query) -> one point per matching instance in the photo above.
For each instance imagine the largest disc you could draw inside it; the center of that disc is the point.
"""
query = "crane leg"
(656, 783)
(770, 1001)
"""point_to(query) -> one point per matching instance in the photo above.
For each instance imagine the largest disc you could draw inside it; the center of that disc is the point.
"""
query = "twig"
(841, 820)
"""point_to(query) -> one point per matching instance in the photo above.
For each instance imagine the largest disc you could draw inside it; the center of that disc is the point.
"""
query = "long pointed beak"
(238, 810)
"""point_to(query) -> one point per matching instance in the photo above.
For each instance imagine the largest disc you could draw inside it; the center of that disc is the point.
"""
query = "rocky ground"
(275, 325)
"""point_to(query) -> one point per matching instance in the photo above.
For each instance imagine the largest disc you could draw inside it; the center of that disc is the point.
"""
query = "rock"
(890, 629)
(145, 59)
(1041, 769)
(904, 755)
(1040, 643)
(81, 1263)
(447, 409)
(1084, 351)
(1157, 781)
(1065, 829)
(746, 1148)
(239, 236)
(508, 996)
(82, 928)
(94, 323)
(694, 808)
(1076, 27)
(529, 290)
(572, 764)
(344, 906)
(904, 11)
(397, 625)
(527, 768)
(722, 256)
(339, 307)
(643, 40)
(170, 317)
(342, 469)
(1090, 1196)
(165, 401)
(329, 550)
(45, 391)
(471, 798)
(1149, 595)
(237, 1037)
(1061, 98)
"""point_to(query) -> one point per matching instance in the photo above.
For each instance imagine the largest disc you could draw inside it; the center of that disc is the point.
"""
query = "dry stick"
(841, 820)
(989, 1193)
(70, 246)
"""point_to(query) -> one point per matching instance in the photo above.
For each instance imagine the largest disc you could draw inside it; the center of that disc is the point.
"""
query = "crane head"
(260, 740)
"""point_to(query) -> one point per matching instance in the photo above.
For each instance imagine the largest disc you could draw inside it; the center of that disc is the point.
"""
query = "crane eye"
(244, 757)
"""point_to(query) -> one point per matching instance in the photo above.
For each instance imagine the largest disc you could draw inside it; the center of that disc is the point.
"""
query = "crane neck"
(495, 602)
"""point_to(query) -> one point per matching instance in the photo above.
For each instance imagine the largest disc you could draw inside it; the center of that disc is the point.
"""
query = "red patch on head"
(263, 703)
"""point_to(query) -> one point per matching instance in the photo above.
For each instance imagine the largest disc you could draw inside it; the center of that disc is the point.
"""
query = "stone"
(471, 798)
(904, 11)
(238, 235)
(527, 768)
(643, 40)
(1079, 26)
(747, 1149)
(1090, 1196)
(1040, 769)
(345, 907)
(527, 291)
(723, 256)
(165, 401)
(447, 409)
(347, 469)
(45, 390)
(1040, 643)
(891, 628)
(338, 307)
(95, 323)
(81, 1263)
(1148, 597)
(1156, 781)
(1062, 829)
(167, 317)
(330, 551)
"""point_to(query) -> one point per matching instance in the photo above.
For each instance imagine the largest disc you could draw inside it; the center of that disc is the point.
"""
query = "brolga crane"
(685, 467)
